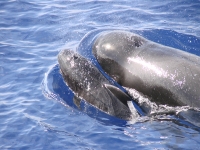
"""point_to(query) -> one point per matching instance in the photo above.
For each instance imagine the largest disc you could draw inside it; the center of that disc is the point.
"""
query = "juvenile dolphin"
(166, 75)
(89, 84)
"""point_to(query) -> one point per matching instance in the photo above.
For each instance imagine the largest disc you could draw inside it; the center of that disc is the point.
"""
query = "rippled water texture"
(32, 34)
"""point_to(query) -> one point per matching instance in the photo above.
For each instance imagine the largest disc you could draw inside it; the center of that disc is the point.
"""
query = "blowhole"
(137, 41)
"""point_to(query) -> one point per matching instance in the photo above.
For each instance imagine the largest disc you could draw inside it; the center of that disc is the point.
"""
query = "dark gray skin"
(164, 74)
(89, 84)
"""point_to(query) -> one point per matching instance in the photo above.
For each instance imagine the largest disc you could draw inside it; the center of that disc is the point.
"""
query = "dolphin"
(165, 75)
(87, 83)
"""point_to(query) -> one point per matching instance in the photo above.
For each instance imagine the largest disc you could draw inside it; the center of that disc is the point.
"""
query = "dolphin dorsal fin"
(122, 96)
(132, 109)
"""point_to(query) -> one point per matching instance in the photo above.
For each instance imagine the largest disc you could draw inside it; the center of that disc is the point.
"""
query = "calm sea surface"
(33, 114)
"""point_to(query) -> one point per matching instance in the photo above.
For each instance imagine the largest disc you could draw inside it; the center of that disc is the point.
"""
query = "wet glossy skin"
(164, 74)
(88, 83)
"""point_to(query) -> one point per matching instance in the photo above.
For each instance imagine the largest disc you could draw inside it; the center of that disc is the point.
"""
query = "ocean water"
(36, 109)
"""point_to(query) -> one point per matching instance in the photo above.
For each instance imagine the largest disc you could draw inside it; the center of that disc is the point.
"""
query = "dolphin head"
(68, 61)
(112, 50)
(78, 73)
(117, 44)
(67, 56)
(73, 70)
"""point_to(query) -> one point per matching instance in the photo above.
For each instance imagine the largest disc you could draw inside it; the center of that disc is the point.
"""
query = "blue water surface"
(36, 109)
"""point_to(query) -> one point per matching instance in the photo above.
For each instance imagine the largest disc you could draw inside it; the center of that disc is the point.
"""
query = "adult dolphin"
(166, 75)
(89, 84)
